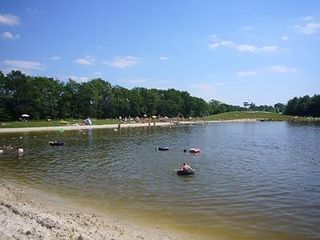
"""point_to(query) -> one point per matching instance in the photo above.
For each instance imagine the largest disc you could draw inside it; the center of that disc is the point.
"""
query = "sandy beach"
(25, 215)
(115, 126)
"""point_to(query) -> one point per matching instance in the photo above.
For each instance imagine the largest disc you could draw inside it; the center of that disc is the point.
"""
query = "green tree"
(46, 93)
(291, 108)
(303, 105)
(151, 101)
(19, 94)
(101, 97)
(69, 101)
(136, 102)
(3, 97)
(120, 102)
(314, 106)
(199, 107)
(214, 107)
(279, 107)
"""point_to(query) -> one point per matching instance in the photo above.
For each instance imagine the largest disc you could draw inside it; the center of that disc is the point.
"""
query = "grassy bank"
(267, 116)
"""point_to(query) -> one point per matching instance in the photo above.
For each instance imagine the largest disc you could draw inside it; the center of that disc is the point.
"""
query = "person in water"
(186, 167)
(20, 151)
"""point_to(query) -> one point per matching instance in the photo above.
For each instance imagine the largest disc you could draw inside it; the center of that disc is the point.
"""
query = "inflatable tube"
(56, 143)
(163, 148)
(194, 150)
(185, 172)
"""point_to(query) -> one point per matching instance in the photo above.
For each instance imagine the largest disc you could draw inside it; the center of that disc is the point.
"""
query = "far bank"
(62, 125)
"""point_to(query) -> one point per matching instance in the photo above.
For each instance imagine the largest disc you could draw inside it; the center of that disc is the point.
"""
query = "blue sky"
(233, 51)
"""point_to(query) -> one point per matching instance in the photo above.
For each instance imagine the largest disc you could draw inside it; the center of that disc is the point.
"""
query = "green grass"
(270, 116)
(52, 123)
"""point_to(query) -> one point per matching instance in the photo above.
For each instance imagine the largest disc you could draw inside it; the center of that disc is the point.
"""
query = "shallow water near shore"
(253, 180)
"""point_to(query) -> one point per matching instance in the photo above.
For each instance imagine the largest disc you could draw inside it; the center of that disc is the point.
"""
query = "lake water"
(253, 180)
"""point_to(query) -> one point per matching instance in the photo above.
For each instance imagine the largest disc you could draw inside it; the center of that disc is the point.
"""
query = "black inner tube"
(163, 148)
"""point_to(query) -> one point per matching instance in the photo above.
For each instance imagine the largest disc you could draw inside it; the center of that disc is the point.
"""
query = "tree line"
(45, 97)
(304, 106)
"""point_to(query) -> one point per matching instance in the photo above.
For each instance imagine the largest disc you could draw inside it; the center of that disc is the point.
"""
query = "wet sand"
(25, 215)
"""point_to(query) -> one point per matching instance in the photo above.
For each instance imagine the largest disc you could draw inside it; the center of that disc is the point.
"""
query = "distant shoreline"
(116, 126)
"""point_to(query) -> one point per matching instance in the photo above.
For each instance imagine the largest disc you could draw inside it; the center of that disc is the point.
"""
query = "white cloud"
(217, 43)
(247, 28)
(204, 90)
(284, 38)
(73, 77)
(283, 69)
(55, 58)
(308, 28)
(246, 73)
(163, 58)
(204, 86)
(122, 62)
(227, 44)
(308, 18)
(9, 19)
(23, 65)
(136, 80)
(246, 48)
(269, 49)
(9, 35)
(83, 61)
(214, 45)
(145, 82)
(88, 60)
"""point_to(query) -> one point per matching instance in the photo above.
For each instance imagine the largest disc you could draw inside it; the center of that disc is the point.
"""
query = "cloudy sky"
(233, 51)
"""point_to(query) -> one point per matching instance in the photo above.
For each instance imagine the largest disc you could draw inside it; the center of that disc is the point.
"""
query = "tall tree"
(19, 94)
(46, 93)
(69, 103)
(3, 97)
(279, 107)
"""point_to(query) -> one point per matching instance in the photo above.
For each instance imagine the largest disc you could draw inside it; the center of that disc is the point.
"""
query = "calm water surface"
(253, 180)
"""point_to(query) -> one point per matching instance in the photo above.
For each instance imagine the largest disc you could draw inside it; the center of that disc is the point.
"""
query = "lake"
(253, 180)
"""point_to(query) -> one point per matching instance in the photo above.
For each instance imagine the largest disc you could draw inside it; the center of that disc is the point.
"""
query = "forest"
(45, 97)
(304, 106)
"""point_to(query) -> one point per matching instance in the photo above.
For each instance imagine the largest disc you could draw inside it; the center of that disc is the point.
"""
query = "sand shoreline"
(24, 215)
(116, 126)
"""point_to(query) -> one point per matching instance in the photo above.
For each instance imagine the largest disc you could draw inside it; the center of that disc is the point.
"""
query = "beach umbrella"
(25, 115)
